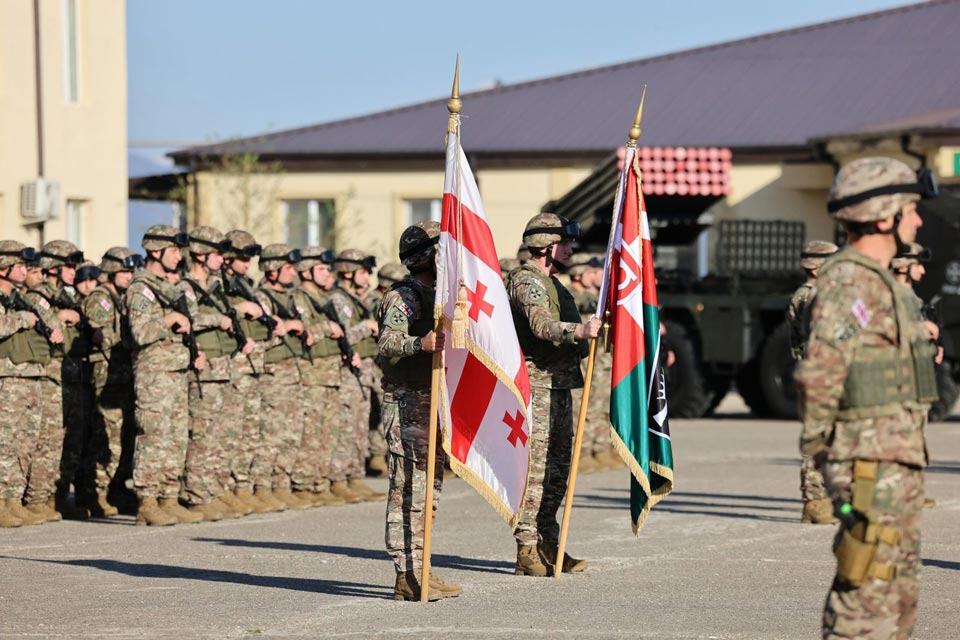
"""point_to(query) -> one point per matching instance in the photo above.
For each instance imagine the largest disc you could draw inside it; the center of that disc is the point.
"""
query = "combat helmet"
(349, 260)
(914, 254)
(13, 252)
(872, 189)
(312, 256)
(204, 240)
(242, 245)
(418, 245)
(816, 252)
(57, 253)
(390, 273)
(160, 236)
(86, 270)
(118, 259)
(583, 262)
(545, 229)
(523, 253)
(274, 255)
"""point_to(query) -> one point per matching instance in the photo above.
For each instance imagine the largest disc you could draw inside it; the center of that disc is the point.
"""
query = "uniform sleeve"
(316, 323)
(795, 313)
(838, 314)
(100, 312)
(529, 296)
(199, 320)
(13, 321)
(145, 316)
(355, 329)
(47, 313)
(397, 310)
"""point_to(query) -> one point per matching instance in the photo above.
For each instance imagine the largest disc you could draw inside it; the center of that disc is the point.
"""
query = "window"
(71, 52)
(74, 222)
(308, 223)
(422, 209)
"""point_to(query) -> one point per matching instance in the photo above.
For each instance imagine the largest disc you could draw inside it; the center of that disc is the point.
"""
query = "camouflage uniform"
(798, 321)
(404, 316)
(109, 449)
(864, 386)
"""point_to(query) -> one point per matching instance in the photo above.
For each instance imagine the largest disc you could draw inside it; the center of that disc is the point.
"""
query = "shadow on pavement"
(437, 559)
(707, 507)
(163, 571)
(941, 564)
(943, 466)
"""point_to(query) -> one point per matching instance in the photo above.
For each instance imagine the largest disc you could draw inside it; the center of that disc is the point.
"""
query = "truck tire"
(687, 393)
(948, 391)
(748, 386)
(776, 375)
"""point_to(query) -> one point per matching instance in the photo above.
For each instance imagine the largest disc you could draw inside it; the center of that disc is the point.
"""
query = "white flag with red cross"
(484, 390)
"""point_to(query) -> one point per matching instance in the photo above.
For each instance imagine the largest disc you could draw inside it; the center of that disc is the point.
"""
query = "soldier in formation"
(553, 341)
(865, 386)
(817, 508)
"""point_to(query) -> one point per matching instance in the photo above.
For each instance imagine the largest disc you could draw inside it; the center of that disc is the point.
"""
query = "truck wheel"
(776, 375)
(719, 388)
(687, 395)
(748, 385)
(948, 391)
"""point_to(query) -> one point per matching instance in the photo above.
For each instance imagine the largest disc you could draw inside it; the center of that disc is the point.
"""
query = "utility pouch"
(924, 372)
(854, 559)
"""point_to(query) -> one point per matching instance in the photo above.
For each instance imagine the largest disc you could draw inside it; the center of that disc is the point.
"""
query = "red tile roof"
(877, 71)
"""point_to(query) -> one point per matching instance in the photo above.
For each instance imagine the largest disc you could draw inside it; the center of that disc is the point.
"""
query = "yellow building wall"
(370, 205)
(85, 143)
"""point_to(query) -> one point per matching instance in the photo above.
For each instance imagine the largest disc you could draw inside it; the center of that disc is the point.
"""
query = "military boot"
(327, 499)
(265, 495)
(67, 510)
(929, 503)
(365, 491)
(26, 516)
(587, 463)
(206, 511)
(149, 513)
(96, 503)
(45, 511)
(529, 562)
(228, 510)
(446, 589)
(548, 553)
(244, 496)
(172, 507)
(407, 588)
(377, 466)
(52, 510)
(232, 501)
(341, 490)
(819, 511)
(286, 497)
(309, 497)
(7, 519)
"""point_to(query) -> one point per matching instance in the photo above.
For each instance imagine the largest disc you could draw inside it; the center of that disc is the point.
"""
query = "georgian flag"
(638, 395)
(484, 390)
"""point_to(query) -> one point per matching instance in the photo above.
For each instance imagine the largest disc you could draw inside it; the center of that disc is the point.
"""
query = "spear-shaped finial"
(454, 105)
(635, 132)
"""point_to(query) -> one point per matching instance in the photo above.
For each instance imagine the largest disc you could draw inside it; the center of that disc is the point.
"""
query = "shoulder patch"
(43, 304)
(405, 308)
(861, 312)
(105, 304)
(191, 296)
(844, 330)
(148, 294)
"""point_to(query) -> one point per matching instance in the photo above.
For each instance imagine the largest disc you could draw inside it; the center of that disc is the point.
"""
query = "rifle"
(234, 288)
(286, 313)
(221, 304)
(180, 305)
(83, 326)
(931, 312)
(346, 349)
(18, 302)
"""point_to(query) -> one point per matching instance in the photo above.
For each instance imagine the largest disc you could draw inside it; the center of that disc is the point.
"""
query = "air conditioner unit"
(40, 200)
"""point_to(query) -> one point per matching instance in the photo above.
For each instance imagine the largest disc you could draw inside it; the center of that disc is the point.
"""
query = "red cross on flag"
(484, 390)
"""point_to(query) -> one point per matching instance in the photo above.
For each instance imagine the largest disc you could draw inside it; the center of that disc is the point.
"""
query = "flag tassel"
(575, 462)
(458, 330)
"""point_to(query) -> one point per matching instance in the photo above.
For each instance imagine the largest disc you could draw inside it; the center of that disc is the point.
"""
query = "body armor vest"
(213, 341)
(26, 345)
(545, 355)
(253, 329)
(322, 347)
(289, 346)
(894, 374)
(366, 348)
(412, 371)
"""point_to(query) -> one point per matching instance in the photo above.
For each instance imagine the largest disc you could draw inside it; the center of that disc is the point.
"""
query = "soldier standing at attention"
(388, 275)
(24, 356)
(281, 415)
(865, 386)
(353, 277)
(406, 346)
(817, 507)
(67, 405)
(161, 365)
(108, 453)
(549, 328)
(258, 325)
(321, 380)
(214, 408)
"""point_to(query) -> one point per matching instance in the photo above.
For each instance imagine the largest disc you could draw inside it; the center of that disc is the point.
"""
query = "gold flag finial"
(635, 132)
(454, 104)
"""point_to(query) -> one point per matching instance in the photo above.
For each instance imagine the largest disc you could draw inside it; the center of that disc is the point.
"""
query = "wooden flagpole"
(453, 105)
(634, 135)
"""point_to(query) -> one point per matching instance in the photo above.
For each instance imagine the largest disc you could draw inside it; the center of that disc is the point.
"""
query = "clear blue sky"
(208, 69)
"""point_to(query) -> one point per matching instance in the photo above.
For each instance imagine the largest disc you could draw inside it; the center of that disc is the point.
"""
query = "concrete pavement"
(723, 557)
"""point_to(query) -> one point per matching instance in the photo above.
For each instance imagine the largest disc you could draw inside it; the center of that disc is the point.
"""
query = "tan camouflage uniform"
(160, 365)
(404, 314)
(546, 317)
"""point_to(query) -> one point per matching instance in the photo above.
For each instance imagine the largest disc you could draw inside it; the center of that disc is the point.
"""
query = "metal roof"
(893, 69)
